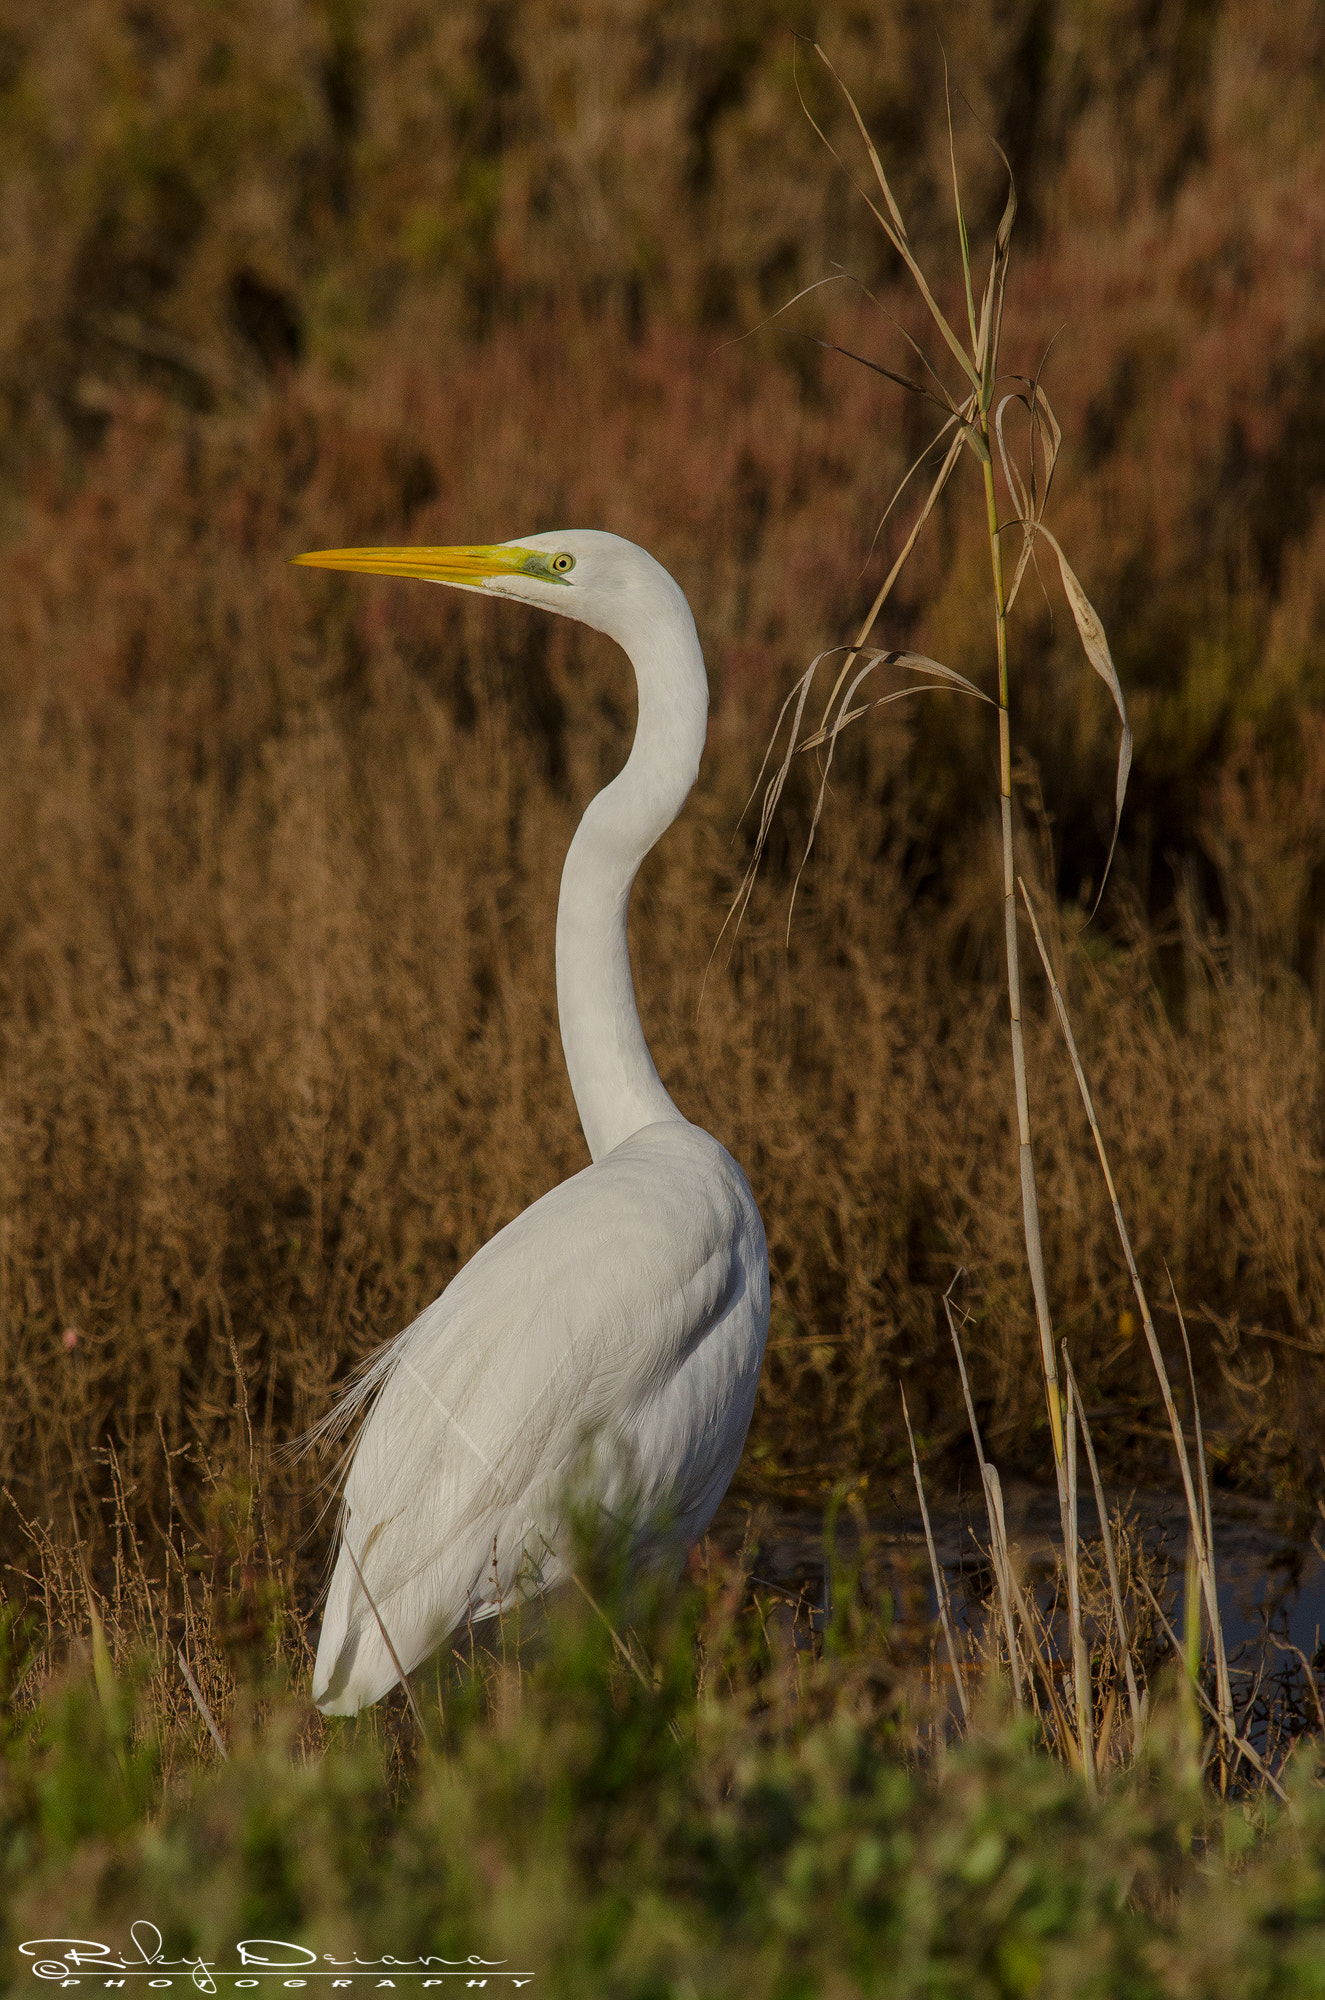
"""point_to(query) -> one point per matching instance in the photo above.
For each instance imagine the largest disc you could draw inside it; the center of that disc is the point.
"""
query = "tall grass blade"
(894, 229)
(1110, 1559)
(991, 306)
(867, 626)
(900, 489)
(945, 678)
(1223, 1681)
(1072, 1566)
(799, 695)
(624, 1650)
(1030, 502)
(103, 1674)
(940, 1582)
(1006, 1581)
(963, 236)
(1194, 1515)
(1096, 647)
(1030, 1209)
(1030, 1204)
(877, 368)
(103, 1670)
(993, 1492)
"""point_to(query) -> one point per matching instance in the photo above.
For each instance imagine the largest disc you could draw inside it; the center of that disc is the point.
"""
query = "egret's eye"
(552, 568)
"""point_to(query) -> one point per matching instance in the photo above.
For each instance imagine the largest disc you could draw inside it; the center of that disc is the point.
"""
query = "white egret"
(629, 1305)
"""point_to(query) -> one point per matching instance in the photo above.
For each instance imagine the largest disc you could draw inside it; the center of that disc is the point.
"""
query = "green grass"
(719, 1816)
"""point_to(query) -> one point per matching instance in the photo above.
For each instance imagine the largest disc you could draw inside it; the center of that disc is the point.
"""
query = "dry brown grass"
(277, 1040)
(279, 1044)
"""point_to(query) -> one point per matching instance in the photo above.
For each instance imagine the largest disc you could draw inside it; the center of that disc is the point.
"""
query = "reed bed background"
(279, 883)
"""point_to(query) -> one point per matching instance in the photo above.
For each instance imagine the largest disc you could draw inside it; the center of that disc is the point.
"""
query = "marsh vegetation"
(277, 1036)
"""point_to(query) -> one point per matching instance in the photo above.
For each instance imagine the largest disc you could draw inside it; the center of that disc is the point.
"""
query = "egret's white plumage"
(624, 1313)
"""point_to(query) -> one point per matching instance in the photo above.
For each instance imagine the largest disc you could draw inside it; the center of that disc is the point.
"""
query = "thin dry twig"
(940, 1583)
(1239, 1743)
(203, 1710)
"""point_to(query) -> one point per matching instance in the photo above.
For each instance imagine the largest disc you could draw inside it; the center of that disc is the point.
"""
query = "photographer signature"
(72, 1960)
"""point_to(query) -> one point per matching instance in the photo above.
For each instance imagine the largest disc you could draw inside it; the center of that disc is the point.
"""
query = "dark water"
(1271, 1586)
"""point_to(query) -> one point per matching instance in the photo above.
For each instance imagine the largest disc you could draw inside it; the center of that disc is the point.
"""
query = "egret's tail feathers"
(385, 1613)
(351, 1402)
(360, 1673)
(359, 1658)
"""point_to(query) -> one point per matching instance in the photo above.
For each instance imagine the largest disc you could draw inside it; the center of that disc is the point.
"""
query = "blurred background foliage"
(202, 202)
(277, 1043)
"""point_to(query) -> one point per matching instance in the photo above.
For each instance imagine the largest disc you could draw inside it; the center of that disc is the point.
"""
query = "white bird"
(625, 1313)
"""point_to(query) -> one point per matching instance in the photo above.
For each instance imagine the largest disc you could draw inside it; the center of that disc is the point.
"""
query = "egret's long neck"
(617, 1089)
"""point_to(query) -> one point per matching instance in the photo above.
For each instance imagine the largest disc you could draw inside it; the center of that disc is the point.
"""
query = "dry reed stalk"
(1065, 1734)
(993, 1495)
(1207, 1509)
(984, 342)
(1196, 1521)
(1081, 1689)
(978, 424)
(1078, 1743)
(940, 1582)
(1110, 1558)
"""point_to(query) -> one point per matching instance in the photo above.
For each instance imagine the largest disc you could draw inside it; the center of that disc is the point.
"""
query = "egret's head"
(581, 573)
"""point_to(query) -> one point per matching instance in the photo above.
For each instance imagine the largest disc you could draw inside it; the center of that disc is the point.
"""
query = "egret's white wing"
(628, 1304)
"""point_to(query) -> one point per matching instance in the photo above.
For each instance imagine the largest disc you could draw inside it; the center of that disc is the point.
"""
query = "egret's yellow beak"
(463, 565)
